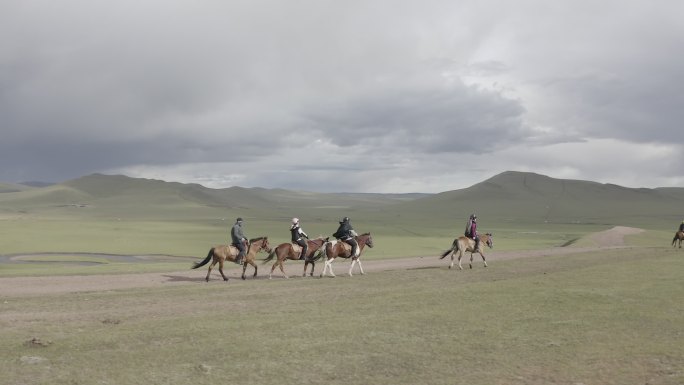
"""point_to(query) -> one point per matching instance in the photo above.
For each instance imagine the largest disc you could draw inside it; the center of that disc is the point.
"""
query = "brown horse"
(292, 251)
(341, 249)
(466, 244)
(679, 236)
(224, 253)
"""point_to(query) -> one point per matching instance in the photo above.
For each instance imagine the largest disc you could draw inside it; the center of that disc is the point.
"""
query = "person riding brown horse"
(223, 253)
(298, 236)
(465, 244)
(471, 230)
(238, 240)
(288, 250)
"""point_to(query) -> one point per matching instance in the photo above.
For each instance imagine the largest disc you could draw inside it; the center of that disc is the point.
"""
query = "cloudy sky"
(328, 95)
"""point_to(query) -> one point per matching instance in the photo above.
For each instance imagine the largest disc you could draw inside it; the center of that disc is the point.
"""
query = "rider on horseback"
(681, 226)
(346, 233)
(297, 236)
(239, 240)
(471, 230)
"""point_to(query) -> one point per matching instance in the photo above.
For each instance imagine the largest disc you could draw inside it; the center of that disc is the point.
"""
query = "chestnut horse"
(291, 251)
(679, 236)
(466, 244)
(341, 249)
(224, 253)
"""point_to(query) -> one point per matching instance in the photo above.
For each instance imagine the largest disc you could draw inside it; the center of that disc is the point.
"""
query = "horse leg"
(471, 260)
(221, 270)
(251, 262)
(325, 267)
(282, 270)
(313, 265)
(460, 255)
(483, 259)
(330, 262)
(270, 275)
(360, 267)
(351, 266)
(306, 263)
(244, 269)
(209, 270)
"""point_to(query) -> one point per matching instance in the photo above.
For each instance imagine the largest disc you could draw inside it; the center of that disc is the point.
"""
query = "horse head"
(490, 240)
(261, 243)
(367, 239)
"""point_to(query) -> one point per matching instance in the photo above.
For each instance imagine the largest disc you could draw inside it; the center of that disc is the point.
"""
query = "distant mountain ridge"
(529, 196)
(509, 196)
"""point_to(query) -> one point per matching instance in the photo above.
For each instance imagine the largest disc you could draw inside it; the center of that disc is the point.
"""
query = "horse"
(341, 249)
(292, 251)
(224, 253)
(679, 236)
(466, 244)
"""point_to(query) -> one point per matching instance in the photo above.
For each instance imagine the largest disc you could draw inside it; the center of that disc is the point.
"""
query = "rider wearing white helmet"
(297, 236)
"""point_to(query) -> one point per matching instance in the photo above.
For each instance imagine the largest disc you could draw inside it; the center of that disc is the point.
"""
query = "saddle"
(296, 248)
(347, 247)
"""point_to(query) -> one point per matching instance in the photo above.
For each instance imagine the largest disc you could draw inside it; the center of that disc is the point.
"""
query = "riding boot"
(353, 251)
(477, 244)
(239, 258)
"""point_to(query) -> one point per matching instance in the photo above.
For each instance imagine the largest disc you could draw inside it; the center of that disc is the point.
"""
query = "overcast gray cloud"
(376, 96)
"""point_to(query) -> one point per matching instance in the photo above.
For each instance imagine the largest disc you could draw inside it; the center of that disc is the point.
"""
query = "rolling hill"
(530, 197)
(509, 196)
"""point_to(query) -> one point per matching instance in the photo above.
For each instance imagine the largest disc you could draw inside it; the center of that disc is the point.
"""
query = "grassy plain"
(605, 317)
(610, 317)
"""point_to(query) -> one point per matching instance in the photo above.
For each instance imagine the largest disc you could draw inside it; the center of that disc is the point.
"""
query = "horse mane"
(364, 234)
(256, 239)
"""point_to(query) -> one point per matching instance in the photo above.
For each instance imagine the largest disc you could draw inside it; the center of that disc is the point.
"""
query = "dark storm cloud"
(391, 94)
(454, 118)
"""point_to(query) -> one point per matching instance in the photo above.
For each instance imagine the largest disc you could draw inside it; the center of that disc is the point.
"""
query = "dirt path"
(29, 286)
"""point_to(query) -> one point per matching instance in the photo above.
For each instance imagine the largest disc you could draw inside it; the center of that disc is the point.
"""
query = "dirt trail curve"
(29, 286)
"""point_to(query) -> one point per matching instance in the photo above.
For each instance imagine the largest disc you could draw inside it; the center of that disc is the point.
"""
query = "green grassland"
(607, 317)
(602, 317)
(121, 215)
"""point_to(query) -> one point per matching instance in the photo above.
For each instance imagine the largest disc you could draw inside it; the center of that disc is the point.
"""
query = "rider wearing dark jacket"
(238, 240)
(298, 236)
(346, 233)
(681, 226)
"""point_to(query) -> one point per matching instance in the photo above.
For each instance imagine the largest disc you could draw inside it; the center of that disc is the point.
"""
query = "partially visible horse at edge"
(223, 253)
(341, 249)
(679, 236)
(465, 244)
(291, 251)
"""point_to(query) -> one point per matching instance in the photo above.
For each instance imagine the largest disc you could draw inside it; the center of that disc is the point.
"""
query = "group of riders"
(344, 233)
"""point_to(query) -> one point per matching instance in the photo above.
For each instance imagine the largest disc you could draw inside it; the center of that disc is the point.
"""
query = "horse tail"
(454, 247)
(444, 254)
(318, 255)
(271, 255)
(323, 252)
(206, 260)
